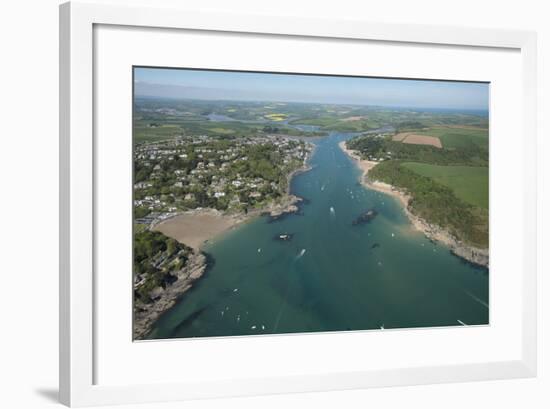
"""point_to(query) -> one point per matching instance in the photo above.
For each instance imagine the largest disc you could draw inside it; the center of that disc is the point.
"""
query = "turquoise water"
(331, 276)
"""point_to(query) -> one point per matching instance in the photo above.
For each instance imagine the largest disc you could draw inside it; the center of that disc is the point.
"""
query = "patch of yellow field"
(222, 130)
(276, 117)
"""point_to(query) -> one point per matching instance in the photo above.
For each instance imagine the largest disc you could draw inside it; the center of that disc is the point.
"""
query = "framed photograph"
(255, 204)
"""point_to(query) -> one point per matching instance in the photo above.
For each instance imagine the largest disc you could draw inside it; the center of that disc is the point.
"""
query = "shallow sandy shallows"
(364, 165)
(194, 228)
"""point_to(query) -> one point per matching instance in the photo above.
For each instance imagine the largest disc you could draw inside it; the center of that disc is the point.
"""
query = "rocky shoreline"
(469, 253)
(474, 255)
(146, 314)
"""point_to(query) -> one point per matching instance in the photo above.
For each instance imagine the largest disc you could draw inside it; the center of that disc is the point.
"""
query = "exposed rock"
(473, 255)
(289, 205)
(146, 314)
(435, 233)
(365, 217)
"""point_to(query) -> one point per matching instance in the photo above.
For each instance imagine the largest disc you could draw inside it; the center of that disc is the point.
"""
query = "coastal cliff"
(460, 249)
(146, 314)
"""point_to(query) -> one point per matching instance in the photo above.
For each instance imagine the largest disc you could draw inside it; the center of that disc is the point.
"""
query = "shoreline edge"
(474, 255)
(198, 262)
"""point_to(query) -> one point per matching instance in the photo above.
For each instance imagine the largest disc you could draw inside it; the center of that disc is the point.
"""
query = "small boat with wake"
(284, 237)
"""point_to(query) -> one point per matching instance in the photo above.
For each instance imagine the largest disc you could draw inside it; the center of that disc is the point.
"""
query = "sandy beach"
(194, 227)
(364, 165)
(433, 232)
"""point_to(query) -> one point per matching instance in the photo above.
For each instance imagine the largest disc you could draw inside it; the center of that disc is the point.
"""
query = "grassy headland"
(448, 186)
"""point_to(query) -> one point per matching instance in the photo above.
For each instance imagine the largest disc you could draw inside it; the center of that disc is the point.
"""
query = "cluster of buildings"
(190, 172)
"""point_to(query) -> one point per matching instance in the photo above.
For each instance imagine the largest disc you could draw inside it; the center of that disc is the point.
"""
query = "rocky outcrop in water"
(287, 206)
(365, 217)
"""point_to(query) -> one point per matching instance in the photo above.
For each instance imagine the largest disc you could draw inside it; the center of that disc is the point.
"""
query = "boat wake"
(479, 300)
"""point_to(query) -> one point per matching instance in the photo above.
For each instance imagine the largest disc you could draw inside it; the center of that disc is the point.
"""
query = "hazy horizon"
(268, 101)
(307, 88)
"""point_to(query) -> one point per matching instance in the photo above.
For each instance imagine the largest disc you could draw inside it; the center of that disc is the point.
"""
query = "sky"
(245, 86)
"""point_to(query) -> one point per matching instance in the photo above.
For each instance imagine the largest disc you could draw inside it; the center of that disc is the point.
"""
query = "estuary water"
(332, 275)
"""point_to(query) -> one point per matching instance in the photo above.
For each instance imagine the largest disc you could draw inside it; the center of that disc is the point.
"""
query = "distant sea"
(477, 112)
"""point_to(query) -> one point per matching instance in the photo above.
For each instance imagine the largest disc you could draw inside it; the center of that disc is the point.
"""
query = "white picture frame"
(77, 157)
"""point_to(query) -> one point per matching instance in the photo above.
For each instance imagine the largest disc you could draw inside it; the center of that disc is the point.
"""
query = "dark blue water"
(331, 276)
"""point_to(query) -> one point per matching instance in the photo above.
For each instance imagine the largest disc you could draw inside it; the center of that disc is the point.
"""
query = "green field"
(456, 138)
(143, 132)
(469, 183)
(335, 123)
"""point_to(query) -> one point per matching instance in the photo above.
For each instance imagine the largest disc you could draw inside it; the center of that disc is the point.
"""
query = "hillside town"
(230, 175)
